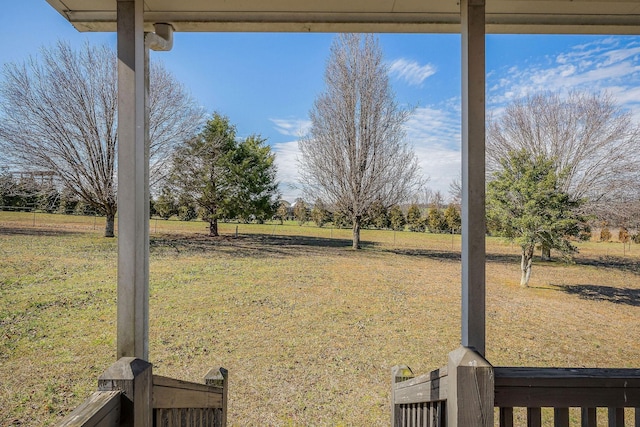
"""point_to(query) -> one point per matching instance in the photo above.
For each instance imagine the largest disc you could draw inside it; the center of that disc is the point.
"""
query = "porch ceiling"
(407, 16)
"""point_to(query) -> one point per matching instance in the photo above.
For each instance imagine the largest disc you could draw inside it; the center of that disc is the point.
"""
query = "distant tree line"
(414, 217)
(28, 194)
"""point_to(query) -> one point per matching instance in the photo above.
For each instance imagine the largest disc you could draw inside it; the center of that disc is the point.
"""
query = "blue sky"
(266, 83)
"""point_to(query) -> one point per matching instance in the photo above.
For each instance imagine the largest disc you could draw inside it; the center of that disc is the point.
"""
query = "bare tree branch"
(591, 139)
(58, 114)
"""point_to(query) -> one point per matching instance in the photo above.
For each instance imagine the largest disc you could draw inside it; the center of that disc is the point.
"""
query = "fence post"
(133, 377)
(220, 378)
(471, 392)
(399, 373)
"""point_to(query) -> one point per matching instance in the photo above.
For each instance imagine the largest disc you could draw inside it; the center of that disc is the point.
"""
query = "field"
(308, 328)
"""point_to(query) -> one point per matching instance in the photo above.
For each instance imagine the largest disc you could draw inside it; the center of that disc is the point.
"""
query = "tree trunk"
(525, 265)
(356, 232)
(109, 227)
(546, 253)
(213, 228)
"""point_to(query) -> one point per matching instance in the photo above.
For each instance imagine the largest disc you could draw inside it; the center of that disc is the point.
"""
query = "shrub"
(623, 235)
(187, 213)
(396, 218)
(414, 219)
(605, 234)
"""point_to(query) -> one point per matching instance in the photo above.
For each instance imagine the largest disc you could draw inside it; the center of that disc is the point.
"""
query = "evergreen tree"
(378, 216)
(397, 220)
(526, 204)
(341, 220)
(282, 212)
(319, 214)
(165, 205)
(414, 218)
(453, 219)
(224, 178)
(436, 221)
(301, 212)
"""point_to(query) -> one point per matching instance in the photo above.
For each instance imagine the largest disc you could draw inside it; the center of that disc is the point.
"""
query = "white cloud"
(287, 155)
(292, 127)
(435, 135)
(410, 71)
(602, 65)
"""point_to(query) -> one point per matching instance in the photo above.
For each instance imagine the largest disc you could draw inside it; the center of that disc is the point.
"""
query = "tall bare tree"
(355, 153)
(58, 113)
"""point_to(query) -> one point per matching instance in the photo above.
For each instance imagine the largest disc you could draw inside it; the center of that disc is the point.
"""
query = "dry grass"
(308, 328)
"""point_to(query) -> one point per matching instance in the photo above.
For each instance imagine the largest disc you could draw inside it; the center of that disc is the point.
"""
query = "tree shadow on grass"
(254, 245)
(24, 231)
(625, 296)
(452, 255)
(611, 262)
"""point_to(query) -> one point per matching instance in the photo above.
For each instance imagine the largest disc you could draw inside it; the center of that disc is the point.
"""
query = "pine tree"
(396, 218)
(526, 204)
(224, 178)
(414, 218)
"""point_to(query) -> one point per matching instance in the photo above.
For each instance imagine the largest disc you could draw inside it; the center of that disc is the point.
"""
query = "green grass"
(308, 328)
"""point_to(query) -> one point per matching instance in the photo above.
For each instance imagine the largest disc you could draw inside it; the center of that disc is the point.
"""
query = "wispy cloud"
(287, 155)
(434, 132)
(608, 64)
(410, 71)
(292, 127)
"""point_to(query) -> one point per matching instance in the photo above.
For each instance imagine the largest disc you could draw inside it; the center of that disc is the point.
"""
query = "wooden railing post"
(399, 373)
(133, 377)
(220, 378)
(470, 395)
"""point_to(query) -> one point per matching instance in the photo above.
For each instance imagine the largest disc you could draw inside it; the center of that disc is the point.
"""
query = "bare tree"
(590, 139)
(355, 154)
(455, 192)
(58, 113)
(174, 117)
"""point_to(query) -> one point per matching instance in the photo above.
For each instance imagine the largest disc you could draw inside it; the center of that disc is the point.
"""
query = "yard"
(308, 328)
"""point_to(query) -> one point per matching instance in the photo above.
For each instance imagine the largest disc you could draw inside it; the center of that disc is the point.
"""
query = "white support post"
(133, 185)
(473, 174)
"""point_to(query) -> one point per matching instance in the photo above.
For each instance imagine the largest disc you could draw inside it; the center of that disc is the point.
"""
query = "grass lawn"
(308, 328)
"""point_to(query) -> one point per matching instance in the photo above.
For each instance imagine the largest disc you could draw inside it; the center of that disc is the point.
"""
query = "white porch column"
(473, 174)
(133, 186)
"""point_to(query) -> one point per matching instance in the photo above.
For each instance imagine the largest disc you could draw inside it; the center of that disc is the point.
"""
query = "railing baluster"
(506, 417)
(433, 413)
(560, 417)
(534, 417)
(425, 414)
(414, 415)
(589, 418)
(616, 417)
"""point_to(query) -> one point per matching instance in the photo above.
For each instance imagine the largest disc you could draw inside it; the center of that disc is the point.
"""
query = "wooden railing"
(129, 395)
(419, 401)
(458, 395)
(101, 409)
(179, 403)
(563, 388)
(465, 392)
